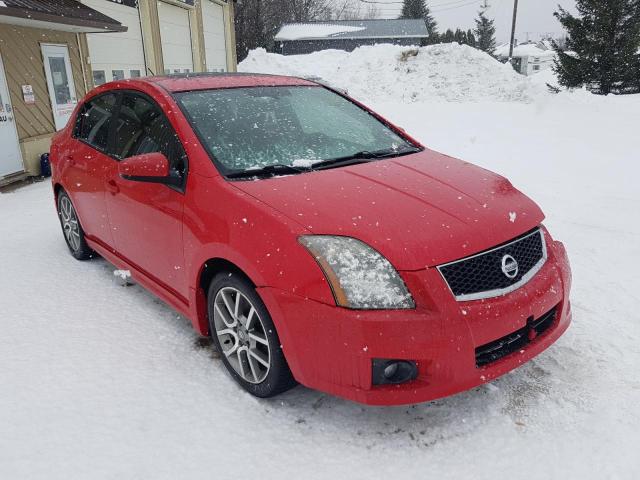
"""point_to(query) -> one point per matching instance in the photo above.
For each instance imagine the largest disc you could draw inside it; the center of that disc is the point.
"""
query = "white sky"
(534, 16)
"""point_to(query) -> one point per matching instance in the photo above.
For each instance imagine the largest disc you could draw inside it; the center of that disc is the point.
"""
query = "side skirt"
(166, 294)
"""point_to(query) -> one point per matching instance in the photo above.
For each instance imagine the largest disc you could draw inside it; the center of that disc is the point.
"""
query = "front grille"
(487, 274)
(515, 341)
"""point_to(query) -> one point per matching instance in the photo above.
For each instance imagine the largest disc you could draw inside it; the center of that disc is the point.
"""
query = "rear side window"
(94, 120)
(142, 128)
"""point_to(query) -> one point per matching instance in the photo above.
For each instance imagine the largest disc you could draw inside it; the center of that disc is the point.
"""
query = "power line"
(475, 2)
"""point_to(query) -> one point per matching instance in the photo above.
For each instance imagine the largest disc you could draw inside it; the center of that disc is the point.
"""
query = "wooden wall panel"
(23, 63)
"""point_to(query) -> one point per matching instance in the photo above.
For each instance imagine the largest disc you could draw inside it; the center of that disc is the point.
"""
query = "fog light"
(390, 370)
(384, 371)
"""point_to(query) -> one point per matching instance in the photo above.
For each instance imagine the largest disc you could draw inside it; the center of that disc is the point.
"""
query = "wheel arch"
(206, 273)
(57, 187)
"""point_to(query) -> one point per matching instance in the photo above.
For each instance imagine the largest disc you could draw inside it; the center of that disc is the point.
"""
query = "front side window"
(257, 127)
(94, 120)
(141, 128)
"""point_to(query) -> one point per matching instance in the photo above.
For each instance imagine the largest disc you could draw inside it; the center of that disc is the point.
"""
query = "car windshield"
(258, 128)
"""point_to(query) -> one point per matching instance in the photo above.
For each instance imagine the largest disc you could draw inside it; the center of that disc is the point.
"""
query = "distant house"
(301, 38)
(528, 58)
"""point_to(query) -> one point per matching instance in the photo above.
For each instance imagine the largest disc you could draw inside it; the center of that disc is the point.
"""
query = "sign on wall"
(28, 95)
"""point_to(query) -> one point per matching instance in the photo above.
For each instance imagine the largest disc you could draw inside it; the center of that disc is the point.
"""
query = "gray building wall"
(301, 47)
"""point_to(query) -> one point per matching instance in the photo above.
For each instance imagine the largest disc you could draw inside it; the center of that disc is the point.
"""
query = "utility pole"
(513, 28)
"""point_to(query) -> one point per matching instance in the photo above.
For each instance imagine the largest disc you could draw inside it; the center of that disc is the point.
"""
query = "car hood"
(418, 210)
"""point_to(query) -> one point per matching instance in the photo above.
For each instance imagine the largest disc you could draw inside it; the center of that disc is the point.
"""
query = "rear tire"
(244, 334)
(71, 228)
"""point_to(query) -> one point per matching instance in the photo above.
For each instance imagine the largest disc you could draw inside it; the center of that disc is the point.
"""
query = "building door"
(10, 156)
(117, 55)
(175, 34)
(215, 42)
(62, 90)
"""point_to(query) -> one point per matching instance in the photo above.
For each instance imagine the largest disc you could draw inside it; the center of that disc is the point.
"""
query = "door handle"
(71, 160)
(113, 187)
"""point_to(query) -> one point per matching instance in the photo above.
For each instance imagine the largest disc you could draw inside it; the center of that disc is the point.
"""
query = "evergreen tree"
(471, 39)
(420, 9)
(485, 31)
(603, 41)
(448, 36)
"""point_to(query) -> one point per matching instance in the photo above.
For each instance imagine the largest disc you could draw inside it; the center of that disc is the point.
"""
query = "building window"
(134, 73)
(187, 70)
(99, 77)
(536, 67)
(117, 74)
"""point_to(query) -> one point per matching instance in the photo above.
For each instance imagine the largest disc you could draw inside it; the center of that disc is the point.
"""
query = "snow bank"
(383, 73)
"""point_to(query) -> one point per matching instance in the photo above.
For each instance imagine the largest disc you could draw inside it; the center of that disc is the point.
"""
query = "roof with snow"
(353, 29)
(523, 50)
(68, 15)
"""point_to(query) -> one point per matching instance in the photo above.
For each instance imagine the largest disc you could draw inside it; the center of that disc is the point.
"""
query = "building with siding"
(302, 38)
(527, 58)
(54, 51)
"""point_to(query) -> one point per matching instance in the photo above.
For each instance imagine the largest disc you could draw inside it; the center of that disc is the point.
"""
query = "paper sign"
(28, 95)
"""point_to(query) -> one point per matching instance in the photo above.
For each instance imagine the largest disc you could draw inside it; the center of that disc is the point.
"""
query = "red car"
(314, 241)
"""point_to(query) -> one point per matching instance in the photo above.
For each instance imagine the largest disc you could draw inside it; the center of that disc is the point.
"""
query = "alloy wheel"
(70, 225)
(242, 335)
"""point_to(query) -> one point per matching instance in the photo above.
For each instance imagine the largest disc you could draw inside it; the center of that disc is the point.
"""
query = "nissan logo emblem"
(509, 266)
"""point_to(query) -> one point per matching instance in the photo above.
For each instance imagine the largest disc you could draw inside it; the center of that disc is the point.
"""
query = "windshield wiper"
(267, 171)
(363, 157)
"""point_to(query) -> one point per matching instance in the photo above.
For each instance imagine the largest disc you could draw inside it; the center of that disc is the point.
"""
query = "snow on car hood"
(418, 210)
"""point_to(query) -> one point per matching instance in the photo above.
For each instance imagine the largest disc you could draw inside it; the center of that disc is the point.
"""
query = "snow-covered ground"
(103, 381)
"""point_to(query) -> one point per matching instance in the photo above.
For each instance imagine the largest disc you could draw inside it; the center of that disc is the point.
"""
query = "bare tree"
(306, 10)
(346, 10)
(371, 13)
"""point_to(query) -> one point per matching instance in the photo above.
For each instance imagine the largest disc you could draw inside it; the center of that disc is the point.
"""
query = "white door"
(60, 82)
(10, 156)
(215, 43)
(116, 55)
(175, 34)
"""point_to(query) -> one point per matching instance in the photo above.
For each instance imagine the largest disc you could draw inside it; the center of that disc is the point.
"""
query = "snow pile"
(382, 73)
(524, 50)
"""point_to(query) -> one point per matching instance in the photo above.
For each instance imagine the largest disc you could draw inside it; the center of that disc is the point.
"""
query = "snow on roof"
(524, 50)
(390, 28)
(299, 31)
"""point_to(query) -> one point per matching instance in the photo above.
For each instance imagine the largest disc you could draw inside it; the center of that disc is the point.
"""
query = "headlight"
(359, 276)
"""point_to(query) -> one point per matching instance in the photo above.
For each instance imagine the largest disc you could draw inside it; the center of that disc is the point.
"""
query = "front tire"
(243, 332)
(71, 228)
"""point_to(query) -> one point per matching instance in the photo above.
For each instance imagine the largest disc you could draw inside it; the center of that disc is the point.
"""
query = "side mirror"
(148, 167)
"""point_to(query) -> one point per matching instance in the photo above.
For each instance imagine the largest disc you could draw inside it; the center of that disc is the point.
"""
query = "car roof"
(206, 81)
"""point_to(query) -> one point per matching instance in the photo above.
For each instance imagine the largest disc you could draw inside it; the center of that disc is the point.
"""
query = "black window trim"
(116, 109)
(110, 148)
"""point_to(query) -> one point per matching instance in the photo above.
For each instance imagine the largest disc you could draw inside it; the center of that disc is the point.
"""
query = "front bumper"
(331, 349)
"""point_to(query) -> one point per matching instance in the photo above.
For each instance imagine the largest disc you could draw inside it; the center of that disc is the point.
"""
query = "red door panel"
(146, 218)
(85, 174)
(146, 221)
(86, 166)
